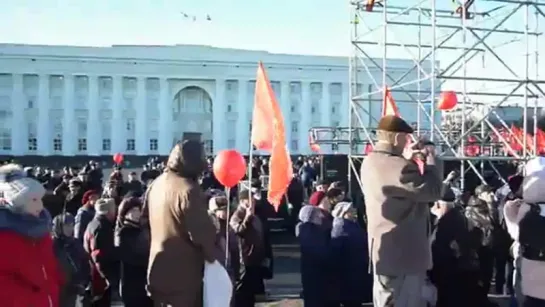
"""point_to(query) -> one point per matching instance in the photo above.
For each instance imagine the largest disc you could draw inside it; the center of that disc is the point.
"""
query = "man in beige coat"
(397, 198)
(182, 234)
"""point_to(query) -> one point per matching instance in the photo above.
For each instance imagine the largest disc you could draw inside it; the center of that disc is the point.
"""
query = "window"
(312, 110)
(32, 144)
(82, 144)
(153, 144)
(30, 103)
(336, 123)
(294, 127)
(231, 144)
(106, 144)
(294, 145)
(208, 147)
(130, 124)
(332, 110)
(5, 141)
(57, 144)
(292, 109)
(229, 108)
(131, 145)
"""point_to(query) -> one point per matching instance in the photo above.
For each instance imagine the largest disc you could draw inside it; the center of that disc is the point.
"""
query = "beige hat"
(104, 206)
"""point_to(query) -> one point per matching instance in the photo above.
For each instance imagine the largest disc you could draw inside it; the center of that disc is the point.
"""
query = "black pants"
(500, 265)
(105, 300)
(486, 263)
(248, 286)
(533, 302)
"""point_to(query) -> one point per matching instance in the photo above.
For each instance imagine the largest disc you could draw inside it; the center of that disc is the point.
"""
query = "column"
(305, 112)
(243, 122)
(44, 123)
(119, 124)
(69, 133)
(165, 118)
(94, 133)
(285, 105)
(141, 126)
(325, 105)
(19, 126)
(219, 127)
(345, 104)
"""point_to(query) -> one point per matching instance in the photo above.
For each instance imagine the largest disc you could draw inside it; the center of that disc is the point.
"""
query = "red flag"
(540, 135)
(268, 131)
(313, 146)
(389, 107)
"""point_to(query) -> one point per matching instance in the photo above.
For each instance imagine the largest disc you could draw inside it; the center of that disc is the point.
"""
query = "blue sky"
(288, 26)
(315, 27)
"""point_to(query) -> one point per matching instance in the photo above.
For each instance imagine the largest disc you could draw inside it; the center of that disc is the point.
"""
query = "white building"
(139, 100)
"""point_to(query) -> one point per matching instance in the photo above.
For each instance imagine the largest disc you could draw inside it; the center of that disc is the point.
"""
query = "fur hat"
(533, 183)
(341, 209)
(393, 123)
(16, 189)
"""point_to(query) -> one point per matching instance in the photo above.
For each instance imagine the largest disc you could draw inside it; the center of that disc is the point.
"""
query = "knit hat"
(316, 198)
(393, 123)
(87, 195)
(104, 206)
(18, 191)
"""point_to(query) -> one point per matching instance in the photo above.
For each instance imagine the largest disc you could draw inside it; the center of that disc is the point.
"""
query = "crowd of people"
(71, 239)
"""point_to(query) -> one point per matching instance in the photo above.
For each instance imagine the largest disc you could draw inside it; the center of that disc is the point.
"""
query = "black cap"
(393, 123)
(448, 195)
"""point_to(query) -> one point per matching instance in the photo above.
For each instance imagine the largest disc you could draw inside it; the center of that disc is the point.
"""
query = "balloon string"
(228, 193)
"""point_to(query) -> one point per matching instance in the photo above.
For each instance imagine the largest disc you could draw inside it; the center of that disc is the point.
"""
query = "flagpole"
(250, 159)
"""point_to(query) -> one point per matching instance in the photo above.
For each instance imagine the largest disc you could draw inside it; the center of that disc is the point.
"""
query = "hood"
(533, 183)
(187, 159)
(59, 221)
(25, 224)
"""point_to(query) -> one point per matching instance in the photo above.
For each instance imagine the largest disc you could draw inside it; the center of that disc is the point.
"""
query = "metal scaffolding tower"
(486, 51)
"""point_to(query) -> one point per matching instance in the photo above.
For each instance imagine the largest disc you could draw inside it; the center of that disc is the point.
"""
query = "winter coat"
(99, 244)
(532, 272)
(351, 279)
(73, 202)
(73, 261)
(29, 272)
(182, 234)
(133, 249)
(314, 233)
(84, 216)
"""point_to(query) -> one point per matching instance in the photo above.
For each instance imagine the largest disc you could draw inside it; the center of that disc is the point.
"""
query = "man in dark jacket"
(99, 243)
(73, 199)
(133, 185)
(249, 228)
(85, 214)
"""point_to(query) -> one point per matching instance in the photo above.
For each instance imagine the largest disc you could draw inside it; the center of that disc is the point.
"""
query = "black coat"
(133, 247)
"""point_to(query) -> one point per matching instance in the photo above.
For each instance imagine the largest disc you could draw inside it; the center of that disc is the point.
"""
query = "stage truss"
(486, 51)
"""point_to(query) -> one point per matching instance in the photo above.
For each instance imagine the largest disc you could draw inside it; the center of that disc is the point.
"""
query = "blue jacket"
(350, 262)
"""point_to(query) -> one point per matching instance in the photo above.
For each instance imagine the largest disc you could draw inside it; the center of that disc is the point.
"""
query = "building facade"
(140, 100)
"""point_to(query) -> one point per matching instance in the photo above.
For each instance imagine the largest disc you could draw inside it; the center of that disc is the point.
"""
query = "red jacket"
(29, 273)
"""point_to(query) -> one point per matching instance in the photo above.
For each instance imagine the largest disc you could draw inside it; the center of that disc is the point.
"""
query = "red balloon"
(447, 101)
(118, 158)
(229, 167)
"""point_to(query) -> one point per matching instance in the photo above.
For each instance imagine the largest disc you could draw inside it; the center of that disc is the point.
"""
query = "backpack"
(531, 234)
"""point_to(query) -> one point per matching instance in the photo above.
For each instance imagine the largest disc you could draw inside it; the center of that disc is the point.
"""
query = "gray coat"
(397, 201)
